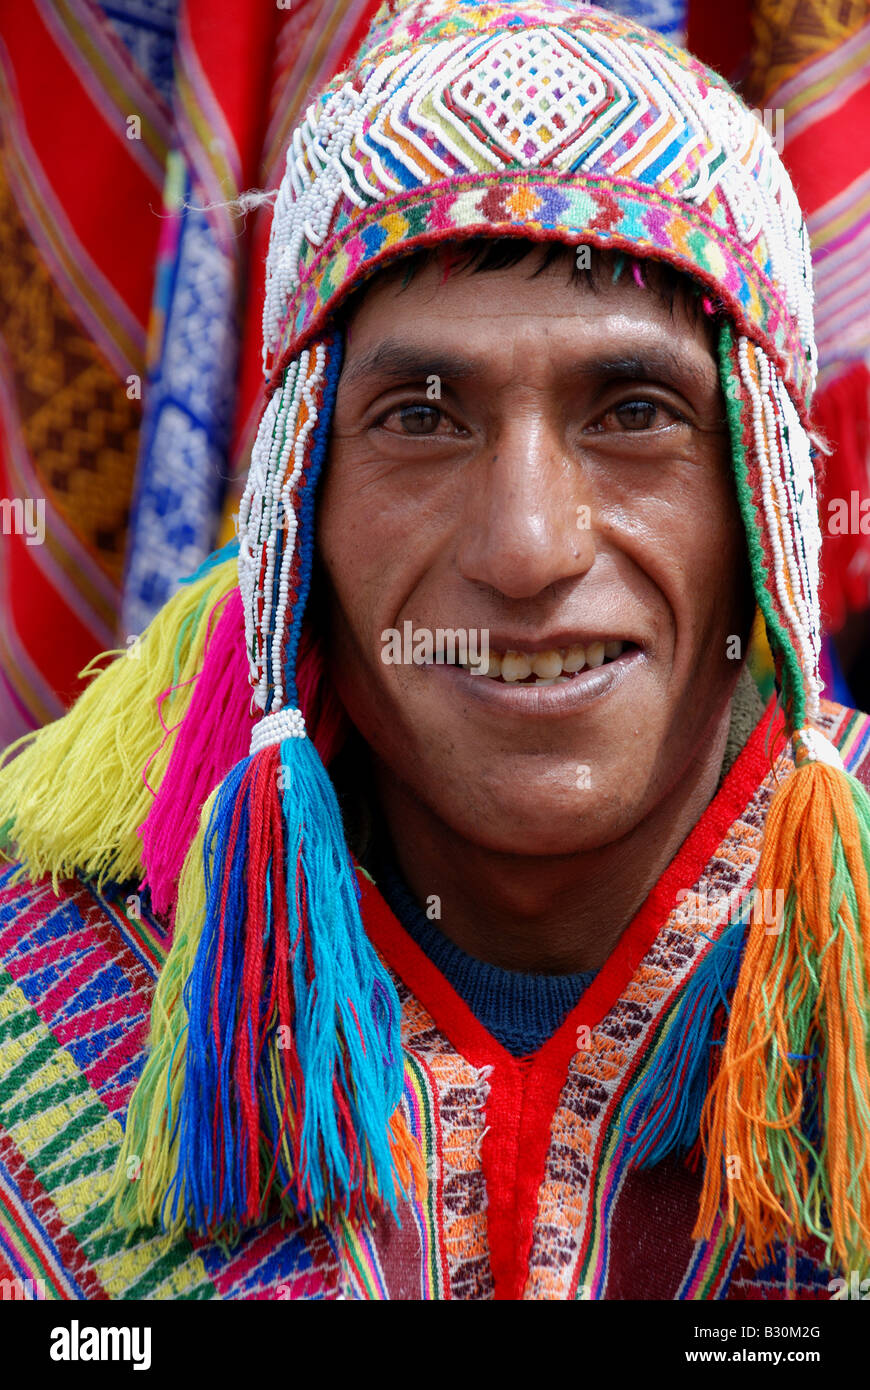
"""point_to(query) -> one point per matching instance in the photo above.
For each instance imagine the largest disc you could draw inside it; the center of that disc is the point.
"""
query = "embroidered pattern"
(458, 1095)
(588, 97)
(76, 980)
(572, 1227)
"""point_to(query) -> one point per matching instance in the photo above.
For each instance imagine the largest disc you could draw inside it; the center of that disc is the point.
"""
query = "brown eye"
(419, 419)
(636, 415)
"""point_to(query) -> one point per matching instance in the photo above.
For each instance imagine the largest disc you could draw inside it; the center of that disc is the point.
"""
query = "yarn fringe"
(72, 799)
(275, 1067)
(146, 1163)
(215, 735)
(661, 1114)
(798, 1036)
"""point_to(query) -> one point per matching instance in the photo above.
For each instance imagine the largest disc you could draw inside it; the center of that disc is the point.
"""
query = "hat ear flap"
(275, 1066)
(776, 494)
(789, 1111)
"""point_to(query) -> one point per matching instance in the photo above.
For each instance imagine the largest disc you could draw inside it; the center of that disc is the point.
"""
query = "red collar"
(452, 1014)
(524, 1092)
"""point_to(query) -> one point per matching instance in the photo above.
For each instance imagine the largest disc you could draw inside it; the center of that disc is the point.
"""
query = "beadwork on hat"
(560, 123)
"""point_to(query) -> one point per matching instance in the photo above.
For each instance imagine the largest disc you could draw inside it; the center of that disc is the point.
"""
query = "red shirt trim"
(524, 1092)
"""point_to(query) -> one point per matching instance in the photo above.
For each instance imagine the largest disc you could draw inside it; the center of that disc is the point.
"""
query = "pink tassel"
(215, 735)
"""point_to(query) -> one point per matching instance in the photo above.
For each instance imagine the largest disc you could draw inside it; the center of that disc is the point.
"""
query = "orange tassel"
(407, 1157)
(802, 997)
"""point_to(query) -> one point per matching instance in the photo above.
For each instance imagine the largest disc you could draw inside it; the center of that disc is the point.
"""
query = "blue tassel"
(348, 1067)
(353, 988)
(206, 1083)
(661, 1114)
(217, 557)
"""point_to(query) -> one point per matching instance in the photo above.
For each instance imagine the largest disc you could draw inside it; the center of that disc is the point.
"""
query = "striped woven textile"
(243, 77)
(123, 406)
(810, 69)
(529, 1194)
(76, 255)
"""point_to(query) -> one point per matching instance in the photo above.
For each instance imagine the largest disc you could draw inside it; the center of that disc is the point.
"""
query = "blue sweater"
(520, 1010)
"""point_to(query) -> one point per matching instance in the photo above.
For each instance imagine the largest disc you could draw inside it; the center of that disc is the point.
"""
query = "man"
(584, 1012)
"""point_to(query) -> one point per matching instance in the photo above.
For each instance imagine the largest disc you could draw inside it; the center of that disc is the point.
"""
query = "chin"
(542, 827)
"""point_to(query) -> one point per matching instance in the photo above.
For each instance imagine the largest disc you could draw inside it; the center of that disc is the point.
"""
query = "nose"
(528, 511)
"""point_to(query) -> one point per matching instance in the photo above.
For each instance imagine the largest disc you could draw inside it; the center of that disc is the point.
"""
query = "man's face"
(571, 487)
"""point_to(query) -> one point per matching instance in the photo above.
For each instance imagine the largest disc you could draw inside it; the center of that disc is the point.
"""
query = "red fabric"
(91, 166)
(822, 162)
(720, 35)
(524, 1091)
(252, 394)
(61, 651)
(235, 58)
(842, 414)
(81, 235)
(80, 257)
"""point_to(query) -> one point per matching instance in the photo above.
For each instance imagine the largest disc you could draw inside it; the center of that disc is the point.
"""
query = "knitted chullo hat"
(275, 1066)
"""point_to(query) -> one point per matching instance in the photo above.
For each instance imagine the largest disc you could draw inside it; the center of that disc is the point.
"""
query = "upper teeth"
(549, 666)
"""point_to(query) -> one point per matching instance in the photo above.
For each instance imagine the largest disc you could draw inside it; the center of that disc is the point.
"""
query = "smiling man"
(546, 980)
(570, 493)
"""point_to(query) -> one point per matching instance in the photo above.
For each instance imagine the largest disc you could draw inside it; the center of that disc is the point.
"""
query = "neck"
(550, 914)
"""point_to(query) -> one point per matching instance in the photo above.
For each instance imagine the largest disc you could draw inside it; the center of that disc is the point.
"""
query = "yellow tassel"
(73, 799)
(149, 1153)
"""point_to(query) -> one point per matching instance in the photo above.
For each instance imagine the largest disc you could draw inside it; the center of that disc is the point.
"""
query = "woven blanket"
(129, 328)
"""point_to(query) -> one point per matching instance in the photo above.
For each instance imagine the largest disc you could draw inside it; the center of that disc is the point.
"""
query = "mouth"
(553, 666)
(550, 683)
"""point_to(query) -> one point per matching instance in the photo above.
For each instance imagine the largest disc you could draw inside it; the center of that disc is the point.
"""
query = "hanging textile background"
(129, 325)
(130, 318)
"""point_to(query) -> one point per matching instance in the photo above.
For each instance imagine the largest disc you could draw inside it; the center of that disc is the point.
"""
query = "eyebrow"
(652, 364)
(397, 361)
(394, 360)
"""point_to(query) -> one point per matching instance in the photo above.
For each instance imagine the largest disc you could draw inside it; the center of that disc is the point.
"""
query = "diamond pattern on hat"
(525, 98)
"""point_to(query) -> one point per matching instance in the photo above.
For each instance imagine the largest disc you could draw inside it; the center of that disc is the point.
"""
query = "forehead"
(518, 314)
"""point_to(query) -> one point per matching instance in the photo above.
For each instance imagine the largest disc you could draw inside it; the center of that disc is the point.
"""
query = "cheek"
(345, 570)
(716, 599)
(343, 526)
(369, 563)
(683, 551)
(381, 530)
(718, 546)
(353, 540)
